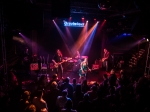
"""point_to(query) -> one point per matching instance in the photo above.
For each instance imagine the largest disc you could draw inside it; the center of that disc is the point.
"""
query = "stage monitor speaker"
(34, 66)
(61, 8)
(95, 67)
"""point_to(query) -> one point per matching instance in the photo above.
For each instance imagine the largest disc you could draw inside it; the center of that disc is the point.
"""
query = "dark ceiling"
(121, 15)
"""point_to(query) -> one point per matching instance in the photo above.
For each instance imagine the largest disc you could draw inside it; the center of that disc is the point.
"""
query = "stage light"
(86, 21)
(123, 16)
(94, 19)
(97, 21)
(82, 17)
(104, 19)
(143, 38)
(19, 33)
(147, 40)
(124, 34)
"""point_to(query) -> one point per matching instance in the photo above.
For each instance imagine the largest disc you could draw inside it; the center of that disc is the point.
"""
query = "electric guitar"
(103, 59)
(84, 71)
(59, 63)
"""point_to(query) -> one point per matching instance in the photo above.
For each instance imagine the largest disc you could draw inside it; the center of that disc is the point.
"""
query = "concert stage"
(93, 76)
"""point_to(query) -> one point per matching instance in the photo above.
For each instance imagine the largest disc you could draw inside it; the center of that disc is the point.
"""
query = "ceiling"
(121, 15)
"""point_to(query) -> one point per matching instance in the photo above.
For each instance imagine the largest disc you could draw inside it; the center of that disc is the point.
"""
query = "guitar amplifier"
(51, 65)
(43, 66)
(95, 67)
(34, 66)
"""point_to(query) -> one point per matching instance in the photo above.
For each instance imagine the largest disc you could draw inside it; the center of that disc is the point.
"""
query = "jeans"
(105, 65)
(59, 70)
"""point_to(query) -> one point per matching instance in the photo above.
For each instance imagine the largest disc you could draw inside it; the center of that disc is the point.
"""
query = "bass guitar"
(59, 63)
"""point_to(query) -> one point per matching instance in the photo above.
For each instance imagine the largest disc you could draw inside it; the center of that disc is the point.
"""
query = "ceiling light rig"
(104, 4)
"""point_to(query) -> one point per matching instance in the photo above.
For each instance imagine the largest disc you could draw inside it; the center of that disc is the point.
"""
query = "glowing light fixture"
(73, 24)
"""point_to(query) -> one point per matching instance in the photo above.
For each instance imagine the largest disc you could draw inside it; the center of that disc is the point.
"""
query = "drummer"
(78, 57)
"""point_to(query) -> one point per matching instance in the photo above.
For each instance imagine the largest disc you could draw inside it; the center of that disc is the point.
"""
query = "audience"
(74, 83)
(39, 102)
(124, 92)
(77, 96)
(52, 96)
(25, 101)
(84, 86)
(61, 100)
(68, 86)
(68, 107)
(85, 105)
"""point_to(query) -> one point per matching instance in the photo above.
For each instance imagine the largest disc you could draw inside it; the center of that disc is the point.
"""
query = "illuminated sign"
(73, 24)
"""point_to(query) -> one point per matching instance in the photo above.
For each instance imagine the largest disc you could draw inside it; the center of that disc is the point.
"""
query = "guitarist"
(83, 70)
(105, 59)
(57, 60)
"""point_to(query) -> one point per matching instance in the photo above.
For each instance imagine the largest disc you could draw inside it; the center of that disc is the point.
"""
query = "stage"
(93, 76)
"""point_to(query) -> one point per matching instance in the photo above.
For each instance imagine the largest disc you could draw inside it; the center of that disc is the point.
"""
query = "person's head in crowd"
(54, 85)
(26, 95)
(94, 88)
(69, 104)
(67, 80)
(74, 80)
(86, 97)
(96, 84)
(40, 93)
(31, 108)
(44, 110)
(84, 82)
(105, 76)
(121, 71)
(65, 93)
(112, 71)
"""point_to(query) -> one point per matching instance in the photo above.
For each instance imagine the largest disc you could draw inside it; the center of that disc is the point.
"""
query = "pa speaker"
(61, 8)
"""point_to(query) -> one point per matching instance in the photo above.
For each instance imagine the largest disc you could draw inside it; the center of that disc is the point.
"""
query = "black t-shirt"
(57, 58)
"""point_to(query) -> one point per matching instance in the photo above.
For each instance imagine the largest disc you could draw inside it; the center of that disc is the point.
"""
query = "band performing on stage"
(78, 64)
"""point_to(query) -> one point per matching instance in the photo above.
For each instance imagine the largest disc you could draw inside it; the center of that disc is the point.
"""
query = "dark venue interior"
(74, 56)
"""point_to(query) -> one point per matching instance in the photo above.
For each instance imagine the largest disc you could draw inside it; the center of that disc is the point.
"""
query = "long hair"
(59, 53)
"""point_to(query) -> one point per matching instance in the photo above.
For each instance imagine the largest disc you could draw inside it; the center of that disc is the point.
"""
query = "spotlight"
(123, 16)
(19, 33)
(86, 21)
(97, 21)
(104, 19)
(147, 40)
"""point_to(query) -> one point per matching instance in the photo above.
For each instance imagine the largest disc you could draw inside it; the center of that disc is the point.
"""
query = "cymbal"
(84, 57)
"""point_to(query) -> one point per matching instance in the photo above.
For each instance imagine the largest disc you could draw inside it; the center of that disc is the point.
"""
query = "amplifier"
(34, 66)
(95, 66)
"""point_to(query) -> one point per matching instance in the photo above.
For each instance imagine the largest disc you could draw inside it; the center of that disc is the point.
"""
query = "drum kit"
(74, 63)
